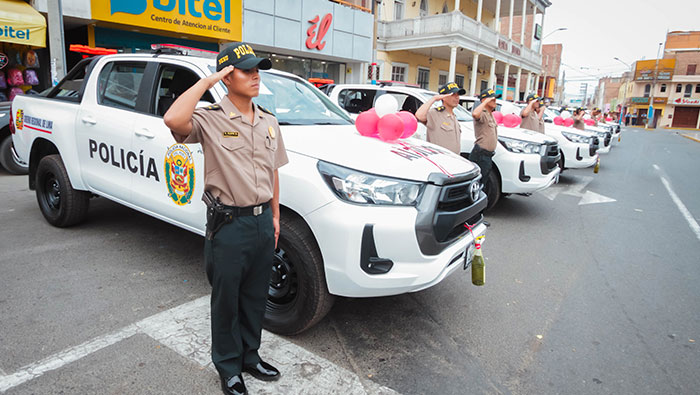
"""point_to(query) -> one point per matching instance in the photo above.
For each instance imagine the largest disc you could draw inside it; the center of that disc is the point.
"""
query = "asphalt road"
(579, 298)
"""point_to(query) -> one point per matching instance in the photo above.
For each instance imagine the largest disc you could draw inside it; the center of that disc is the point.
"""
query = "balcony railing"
(449, 25)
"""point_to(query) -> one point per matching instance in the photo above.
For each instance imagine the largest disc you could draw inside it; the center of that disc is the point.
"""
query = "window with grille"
(647, 90)
(688, 91)
(459, 79)
(663, 88)
(679, 88)
(423, 79)
(691, 69)
(697, 88)
(442, 78)
(398, 9)
(398, 73)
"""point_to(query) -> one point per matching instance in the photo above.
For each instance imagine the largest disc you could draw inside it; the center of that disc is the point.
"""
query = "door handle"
(145, 133)
(89, 119)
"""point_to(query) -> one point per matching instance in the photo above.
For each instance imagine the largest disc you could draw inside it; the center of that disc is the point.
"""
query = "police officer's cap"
(451, 87)
(241, 56)
(488, 92)
(534, 96)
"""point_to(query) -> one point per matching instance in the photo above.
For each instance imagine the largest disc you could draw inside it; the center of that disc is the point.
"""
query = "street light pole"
(544, 81)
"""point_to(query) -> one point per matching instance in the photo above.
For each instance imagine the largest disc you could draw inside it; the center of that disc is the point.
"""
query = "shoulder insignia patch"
(213, 107)
(265, 110)
(441, 108)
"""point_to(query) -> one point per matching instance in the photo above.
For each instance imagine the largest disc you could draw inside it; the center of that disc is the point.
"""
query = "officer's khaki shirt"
(486, 131)
(533, 122)
(579, 124)
(443, 129)
(239, 157)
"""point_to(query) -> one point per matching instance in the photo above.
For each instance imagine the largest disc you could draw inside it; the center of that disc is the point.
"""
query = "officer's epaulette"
(213, 107)
(263, 109)
(441, 108)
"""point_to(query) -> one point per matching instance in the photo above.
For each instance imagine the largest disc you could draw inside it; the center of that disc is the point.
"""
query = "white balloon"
(386, 104)
(587, 116)
(565, 114)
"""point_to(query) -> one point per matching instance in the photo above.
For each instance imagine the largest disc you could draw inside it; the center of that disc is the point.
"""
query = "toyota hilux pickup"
(359, 217)
(524, 162)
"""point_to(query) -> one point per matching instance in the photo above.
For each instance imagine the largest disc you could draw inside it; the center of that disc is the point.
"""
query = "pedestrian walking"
(441, 123)
(243, 148)
(627, 119)
(532, 115)
(578, 119)
(486, 133)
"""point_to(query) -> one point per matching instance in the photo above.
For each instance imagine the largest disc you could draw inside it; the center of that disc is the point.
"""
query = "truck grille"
(551, 158)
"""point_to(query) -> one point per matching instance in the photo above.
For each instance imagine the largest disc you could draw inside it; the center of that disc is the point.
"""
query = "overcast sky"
(600, 30)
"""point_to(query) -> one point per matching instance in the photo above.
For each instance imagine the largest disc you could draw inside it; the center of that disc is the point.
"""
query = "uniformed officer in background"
(578, 119)
(243, 148)
(533, 113)
(441, 122)
(486, 134)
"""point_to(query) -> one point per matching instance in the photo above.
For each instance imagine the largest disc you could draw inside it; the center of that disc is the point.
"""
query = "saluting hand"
(440, 97)
(218, 76)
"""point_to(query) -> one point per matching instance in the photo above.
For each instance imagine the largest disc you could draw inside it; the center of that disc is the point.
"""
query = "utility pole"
(57, 44)
(650, 111)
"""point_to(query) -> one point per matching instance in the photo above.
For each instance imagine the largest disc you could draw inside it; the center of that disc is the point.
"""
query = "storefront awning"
(21, 24)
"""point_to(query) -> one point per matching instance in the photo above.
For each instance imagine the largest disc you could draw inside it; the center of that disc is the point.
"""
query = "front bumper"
(359, 243)
(528, 173)
(578, 156)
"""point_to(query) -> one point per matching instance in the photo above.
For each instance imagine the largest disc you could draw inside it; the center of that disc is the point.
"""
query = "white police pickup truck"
(525, 161)
(360, 217)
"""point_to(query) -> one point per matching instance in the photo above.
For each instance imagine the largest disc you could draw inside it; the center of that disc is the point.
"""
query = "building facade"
(429, 42)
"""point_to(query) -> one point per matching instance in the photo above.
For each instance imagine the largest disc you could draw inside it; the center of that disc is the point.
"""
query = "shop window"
(423, 8)
(119, 83)
(398, 9)
(663, 88)
(356, 101)
(647, 90)
(459, 80)
(423, 79)
(679, 88)
(442, 78)
(172, 82)
(398, 73)
(691, 69)
(688, 91)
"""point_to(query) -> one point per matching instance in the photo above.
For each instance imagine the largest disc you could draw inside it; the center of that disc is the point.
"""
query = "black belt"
(246, 211)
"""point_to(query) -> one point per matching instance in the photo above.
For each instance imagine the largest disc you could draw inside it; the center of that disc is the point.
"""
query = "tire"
(61, 205)
(493, 190)
(561, 160)
(7, 160)
(298, 296)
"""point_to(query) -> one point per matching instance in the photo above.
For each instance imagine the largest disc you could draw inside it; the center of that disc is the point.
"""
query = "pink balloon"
(366, 123)
(498, 117)
(390, 127)
(589, 122)
(511, 121)
(568, 122)
(558, 120)
(410, 123)
(608, 119)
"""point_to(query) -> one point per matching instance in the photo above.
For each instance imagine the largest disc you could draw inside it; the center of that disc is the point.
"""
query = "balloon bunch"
(508, 120)
(589, 122)
(384, 122)
(560, 121)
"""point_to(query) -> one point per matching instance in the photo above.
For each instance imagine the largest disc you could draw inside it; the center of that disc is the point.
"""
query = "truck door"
(178, 194)
(103, 131)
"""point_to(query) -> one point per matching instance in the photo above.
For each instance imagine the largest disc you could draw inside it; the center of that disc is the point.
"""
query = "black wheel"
(493, 189)
(8, 161)
(561, 160)
(298, 297)
(60, 204)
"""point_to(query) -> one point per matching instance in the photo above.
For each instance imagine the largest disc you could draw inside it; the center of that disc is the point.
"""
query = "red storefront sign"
(683, 101)
(320, 34)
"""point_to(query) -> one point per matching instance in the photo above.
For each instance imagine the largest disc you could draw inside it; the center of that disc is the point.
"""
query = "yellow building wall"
(414, 60)
(412, 10)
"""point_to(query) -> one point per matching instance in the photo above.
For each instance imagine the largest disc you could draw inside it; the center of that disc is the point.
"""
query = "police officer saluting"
(441, 122)
(243, 149)
(532, 114)
(486, 134)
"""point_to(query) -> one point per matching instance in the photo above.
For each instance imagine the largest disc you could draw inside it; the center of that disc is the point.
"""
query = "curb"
(688, 136)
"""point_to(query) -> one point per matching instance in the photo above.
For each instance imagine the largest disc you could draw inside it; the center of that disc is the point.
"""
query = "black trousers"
(238, 265)
(483, 159)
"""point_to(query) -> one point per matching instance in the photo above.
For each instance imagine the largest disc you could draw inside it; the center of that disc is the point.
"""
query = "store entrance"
(686, 117)
(307, 68)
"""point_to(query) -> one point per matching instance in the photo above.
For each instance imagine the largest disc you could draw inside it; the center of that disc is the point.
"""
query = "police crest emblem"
(179, 174)
(19, 119)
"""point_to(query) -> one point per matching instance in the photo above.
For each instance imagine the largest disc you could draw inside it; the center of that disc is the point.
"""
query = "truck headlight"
(364, 188)
(576, 138)
(521, 146)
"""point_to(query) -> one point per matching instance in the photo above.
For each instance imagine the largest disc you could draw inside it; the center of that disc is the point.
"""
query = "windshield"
(459, 111)
(296, 102)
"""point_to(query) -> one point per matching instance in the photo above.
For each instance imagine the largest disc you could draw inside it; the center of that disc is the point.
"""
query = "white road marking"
(576, 190)
(593, 198)
(683, 209)
(186, 330)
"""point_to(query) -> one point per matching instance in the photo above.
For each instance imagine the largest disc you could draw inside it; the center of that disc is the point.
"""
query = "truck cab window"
(119, 83)
(70, 88)
(172, 82)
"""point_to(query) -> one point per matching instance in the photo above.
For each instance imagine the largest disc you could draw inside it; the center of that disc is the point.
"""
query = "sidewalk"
(695, 136)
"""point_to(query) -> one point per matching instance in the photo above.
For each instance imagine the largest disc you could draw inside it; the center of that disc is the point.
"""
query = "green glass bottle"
(478, 275)
(596, 168)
